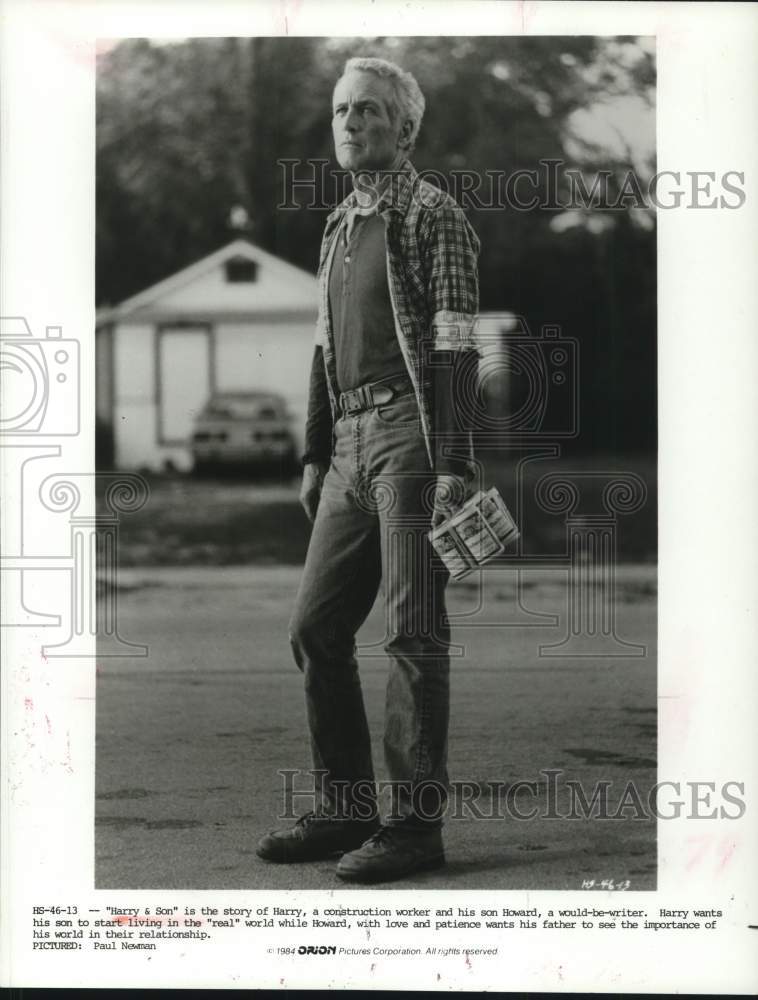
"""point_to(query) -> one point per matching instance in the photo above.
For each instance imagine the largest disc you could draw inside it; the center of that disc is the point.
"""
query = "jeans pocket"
(399, 412)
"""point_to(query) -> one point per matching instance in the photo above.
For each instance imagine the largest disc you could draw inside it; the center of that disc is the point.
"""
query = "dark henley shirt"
(365, 342)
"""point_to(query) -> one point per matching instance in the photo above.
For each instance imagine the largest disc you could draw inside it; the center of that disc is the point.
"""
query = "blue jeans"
(371, 526)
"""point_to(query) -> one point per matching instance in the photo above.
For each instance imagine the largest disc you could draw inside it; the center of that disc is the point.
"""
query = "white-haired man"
(398, 299)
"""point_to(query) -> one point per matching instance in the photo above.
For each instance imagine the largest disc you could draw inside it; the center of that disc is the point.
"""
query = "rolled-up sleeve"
(452, 251)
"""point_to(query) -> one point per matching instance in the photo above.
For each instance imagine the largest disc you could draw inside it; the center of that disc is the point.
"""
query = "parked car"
(244, 431)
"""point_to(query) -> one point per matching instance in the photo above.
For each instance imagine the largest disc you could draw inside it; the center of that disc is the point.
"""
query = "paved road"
(190, 740)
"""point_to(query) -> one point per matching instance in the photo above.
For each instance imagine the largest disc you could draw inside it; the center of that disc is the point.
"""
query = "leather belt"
(365, 397)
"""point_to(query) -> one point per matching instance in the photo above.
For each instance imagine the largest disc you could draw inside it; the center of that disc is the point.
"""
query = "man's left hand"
(450, 492)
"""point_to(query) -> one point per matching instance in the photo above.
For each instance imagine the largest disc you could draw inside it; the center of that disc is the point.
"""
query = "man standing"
(398, 299)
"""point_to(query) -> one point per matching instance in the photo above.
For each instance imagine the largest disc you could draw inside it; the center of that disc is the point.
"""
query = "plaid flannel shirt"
(432, 254)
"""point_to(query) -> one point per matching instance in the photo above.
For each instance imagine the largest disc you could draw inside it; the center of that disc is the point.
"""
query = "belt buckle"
(352, 400)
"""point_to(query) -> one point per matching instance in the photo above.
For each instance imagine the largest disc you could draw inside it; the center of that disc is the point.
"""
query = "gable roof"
(301, 284)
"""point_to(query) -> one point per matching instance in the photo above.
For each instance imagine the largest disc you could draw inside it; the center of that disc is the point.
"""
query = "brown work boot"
(391, 853)
(314, 836)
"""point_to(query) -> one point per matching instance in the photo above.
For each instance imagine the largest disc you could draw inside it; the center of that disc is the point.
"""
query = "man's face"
(365, 136)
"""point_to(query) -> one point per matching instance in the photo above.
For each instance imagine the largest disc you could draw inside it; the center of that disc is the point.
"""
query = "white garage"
(240, 319)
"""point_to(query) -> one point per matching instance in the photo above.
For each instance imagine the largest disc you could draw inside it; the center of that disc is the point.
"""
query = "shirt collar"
(395, 198)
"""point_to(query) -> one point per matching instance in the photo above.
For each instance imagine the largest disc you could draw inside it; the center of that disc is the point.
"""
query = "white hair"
(409, 103)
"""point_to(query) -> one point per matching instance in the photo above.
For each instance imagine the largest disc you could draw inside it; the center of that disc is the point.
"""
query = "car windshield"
(245, 409)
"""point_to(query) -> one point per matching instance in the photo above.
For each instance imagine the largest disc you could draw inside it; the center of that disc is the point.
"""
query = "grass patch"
(227, 522)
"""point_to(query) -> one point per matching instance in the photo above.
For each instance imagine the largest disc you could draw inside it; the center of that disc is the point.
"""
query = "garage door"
(184, 374)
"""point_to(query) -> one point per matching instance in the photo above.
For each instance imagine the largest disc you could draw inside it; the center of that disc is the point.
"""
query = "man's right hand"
(310, 490)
